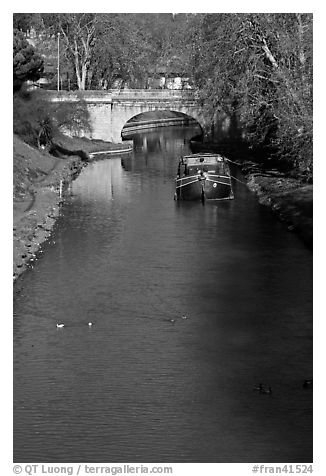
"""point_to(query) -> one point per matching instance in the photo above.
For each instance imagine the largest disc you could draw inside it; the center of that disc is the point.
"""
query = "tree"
(258, 66)
(77, 31)
(27, 64)
(23, 21)
(123, 50)
(110, 58)
(38, 121)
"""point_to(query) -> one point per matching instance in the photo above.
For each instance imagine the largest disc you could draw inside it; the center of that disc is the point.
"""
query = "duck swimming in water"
(265, 391)
(90, 324)
(259, 388)
(59, 326)
(307, 383)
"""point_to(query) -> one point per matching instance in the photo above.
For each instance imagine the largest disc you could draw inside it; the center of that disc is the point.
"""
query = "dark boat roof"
(205, 158)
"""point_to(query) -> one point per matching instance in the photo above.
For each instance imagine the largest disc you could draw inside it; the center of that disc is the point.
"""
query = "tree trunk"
(268, 54)
(89, 78)
(79, 46)
(77, 68)
(302, 56)
(83, 77)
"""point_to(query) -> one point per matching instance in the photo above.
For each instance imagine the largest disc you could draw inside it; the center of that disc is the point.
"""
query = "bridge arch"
(158, 118)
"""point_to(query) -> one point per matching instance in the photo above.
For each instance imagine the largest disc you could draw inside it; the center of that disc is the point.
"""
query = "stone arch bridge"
(110, 110)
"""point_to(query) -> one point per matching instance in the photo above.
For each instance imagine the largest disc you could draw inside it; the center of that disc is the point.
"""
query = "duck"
(265, 391)
(184, 316)
(259, 388)
(90, 324)
(307, 383)
(59, 326)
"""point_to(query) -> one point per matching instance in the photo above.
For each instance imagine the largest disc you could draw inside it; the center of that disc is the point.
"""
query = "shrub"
(36, 120)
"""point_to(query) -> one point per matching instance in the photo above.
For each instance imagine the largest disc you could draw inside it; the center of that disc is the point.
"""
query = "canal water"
(143, 384)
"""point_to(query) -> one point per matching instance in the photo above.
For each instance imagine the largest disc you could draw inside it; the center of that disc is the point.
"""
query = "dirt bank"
(290, 198)
(37, 176)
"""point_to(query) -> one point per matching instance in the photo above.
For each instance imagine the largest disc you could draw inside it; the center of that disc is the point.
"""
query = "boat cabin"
(198, 164)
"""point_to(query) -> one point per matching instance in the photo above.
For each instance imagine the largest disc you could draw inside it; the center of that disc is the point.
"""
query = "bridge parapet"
(157, 94)
(75, 96)
(119, 95)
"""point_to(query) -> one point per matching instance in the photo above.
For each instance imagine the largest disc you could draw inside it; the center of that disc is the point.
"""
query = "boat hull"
(209, 188)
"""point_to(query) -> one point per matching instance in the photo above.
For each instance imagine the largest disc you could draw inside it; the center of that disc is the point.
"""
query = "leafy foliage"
(125, 55)
(27, 65)
(32, 121)
(23, 21)
(37, 121)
